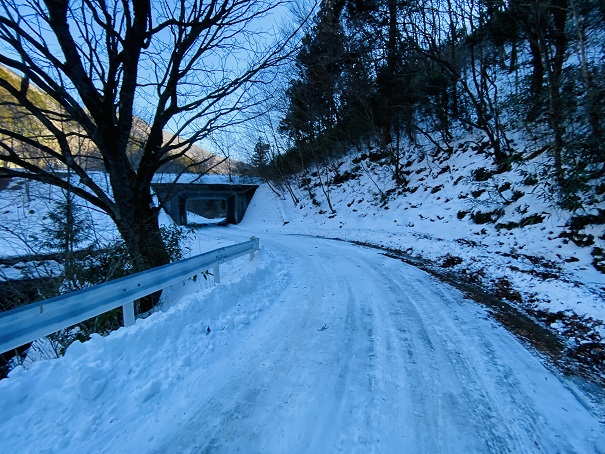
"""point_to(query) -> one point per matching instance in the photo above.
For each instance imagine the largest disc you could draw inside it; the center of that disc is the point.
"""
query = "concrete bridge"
(212, 201)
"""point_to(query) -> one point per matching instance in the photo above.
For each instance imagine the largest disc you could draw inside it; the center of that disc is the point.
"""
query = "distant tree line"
(388, 71)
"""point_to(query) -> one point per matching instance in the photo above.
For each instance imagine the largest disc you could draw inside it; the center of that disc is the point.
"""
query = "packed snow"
(313, 346)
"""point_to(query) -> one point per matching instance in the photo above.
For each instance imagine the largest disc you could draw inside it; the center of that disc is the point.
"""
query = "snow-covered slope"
(314, 346)
(500, 230)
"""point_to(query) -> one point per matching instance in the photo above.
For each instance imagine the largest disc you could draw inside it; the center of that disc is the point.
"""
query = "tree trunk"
(388, 87)
(555, 70)
(323, 188)
(537, 78)
(532, 18)
(139, 227)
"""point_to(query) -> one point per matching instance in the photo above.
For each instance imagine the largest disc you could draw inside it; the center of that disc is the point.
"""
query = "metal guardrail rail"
(30, 322)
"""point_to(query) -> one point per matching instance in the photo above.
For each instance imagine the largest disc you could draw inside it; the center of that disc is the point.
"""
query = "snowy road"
(346, 351)
(361, 353)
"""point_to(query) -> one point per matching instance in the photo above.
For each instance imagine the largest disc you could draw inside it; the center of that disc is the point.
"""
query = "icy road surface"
(318, 346)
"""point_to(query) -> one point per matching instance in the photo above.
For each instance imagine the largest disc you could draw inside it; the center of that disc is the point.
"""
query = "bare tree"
(186, 66)
(438, 30)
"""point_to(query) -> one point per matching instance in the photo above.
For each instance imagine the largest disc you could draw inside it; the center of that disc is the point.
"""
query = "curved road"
(316, 346)
(362, 353)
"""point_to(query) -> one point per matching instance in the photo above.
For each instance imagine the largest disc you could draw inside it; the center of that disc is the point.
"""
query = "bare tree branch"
(86, 69)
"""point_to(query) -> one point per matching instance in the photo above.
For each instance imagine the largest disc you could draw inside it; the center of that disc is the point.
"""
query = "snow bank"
(112, 380)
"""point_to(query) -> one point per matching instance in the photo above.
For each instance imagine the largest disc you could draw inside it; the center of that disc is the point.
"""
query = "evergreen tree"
(68, 228)
(314, 97)
(386, 69)
(260, 156)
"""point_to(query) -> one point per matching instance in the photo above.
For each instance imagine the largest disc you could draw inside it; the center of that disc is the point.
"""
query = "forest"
(524, 78)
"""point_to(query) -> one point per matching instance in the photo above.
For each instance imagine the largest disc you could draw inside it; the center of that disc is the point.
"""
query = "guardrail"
(30, 322)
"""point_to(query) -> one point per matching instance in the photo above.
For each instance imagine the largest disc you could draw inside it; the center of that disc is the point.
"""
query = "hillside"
(468, 223)
(13, 116)
(196, 159)
(431, 269)
(466, 138)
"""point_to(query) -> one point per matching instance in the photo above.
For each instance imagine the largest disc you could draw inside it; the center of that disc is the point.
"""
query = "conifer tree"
(260, 156)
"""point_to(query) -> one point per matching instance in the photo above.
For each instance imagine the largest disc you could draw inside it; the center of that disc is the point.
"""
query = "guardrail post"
(255, 247)
(128, 313)
(217, 274)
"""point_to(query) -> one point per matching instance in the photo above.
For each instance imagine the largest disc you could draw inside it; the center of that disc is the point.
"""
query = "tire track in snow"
(434, 368)
(470, 367)
(405, 364)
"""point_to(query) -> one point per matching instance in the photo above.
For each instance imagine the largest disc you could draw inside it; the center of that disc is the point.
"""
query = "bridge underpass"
(211, 201)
